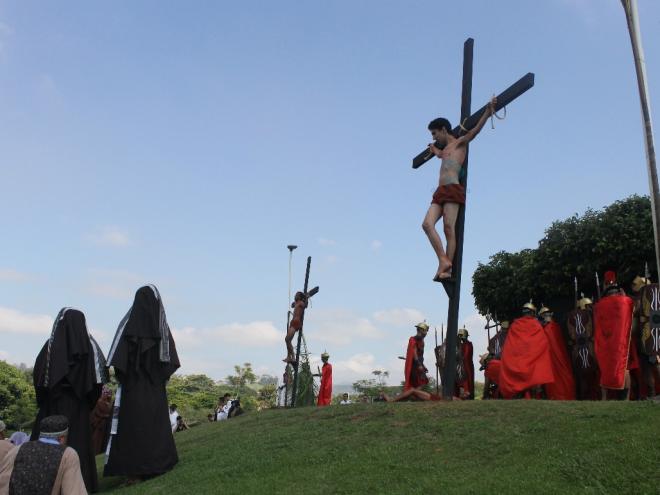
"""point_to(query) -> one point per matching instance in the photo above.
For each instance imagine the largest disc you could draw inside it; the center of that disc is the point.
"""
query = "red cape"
(410, 357)
(325, 390)
(413, 377)
(468, 366)
(563, 388)
(612, 326)
(526, 358)
(493, 370)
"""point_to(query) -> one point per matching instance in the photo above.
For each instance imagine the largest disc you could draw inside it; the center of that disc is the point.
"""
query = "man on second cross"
(415, 371)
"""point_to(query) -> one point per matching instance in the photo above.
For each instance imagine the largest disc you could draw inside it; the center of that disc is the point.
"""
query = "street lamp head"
(291, 247)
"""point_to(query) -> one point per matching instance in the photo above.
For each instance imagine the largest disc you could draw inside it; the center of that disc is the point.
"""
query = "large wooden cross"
(468, 121)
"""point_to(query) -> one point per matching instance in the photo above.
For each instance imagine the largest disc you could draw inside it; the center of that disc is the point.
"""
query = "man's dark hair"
(226, 395)
(439, 124)
(173, 407)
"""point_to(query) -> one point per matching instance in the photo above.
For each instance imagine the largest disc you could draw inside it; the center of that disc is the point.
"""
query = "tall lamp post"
(632, 16)
(291, 248)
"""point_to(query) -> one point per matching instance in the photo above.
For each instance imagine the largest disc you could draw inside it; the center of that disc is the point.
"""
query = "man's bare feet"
(443, 273)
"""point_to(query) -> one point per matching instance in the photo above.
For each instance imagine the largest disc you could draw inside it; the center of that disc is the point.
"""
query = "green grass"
(517, 447)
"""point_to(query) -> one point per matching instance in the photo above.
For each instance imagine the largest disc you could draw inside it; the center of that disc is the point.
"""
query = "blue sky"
(188, 145)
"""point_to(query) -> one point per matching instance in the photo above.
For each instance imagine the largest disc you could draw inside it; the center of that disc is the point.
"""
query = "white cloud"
(330, 259)
(340, 327)
(376, 245)
(11, 275)
(399, 316)
(110, 237)
(13, 321)
(327, 242)
(356, 367)
(115, 284)
(251, 334)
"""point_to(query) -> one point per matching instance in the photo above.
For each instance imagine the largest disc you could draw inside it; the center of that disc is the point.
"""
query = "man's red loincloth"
(449, 193)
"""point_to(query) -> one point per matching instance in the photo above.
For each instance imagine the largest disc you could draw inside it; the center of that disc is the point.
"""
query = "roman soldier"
(325, 389)
(495, 346)
(612, 327)
(465, 388)
(646, 328)
(415, 371)
(526, 364)
(581, 344)
(563, 388)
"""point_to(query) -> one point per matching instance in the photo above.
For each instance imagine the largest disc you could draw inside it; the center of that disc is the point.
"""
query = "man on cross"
(299, 304)
(450, 193)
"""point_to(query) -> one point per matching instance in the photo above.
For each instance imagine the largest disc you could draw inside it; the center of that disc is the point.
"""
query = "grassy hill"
(460, 447)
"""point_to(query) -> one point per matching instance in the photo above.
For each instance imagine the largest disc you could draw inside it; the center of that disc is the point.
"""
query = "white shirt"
(173, 416)
(223, 413)
(344, 402)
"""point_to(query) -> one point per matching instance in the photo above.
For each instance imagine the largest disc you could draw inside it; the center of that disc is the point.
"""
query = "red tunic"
(612, 326)
(325, 390)
(563, 388)
(468, 365)
(414, 377)
(526, 358)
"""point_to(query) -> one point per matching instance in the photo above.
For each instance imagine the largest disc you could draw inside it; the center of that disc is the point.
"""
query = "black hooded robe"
(68, 376)
(144, 357)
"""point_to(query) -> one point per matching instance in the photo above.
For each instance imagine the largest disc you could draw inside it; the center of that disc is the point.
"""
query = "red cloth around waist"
(449, 193)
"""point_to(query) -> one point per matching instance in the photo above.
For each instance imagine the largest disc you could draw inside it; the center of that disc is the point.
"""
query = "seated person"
(45, 465)
(181, 424)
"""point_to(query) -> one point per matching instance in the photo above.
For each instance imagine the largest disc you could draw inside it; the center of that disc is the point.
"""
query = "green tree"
(618, 237)
(306, 393)
(244, 376)
(17, 398)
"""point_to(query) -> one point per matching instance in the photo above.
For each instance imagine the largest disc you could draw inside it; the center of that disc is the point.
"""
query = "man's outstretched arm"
(472, 133)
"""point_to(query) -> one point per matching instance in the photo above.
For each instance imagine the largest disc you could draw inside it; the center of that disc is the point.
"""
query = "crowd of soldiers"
(610, 349)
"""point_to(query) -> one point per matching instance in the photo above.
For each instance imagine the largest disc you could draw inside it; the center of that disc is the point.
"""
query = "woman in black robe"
(144, 357)
(68, 376)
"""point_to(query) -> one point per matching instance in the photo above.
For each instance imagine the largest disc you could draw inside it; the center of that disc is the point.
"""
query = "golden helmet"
(544, 309)
(529, 306)
(584, 302)
(423, 326)
(325, 355)
(463, 332)
(639, 282)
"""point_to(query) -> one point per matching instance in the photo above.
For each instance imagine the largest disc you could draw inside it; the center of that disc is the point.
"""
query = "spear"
(437, 371)
(442, 333)
(597, 285)
(575, 285)
(488, 323)
(647, 272)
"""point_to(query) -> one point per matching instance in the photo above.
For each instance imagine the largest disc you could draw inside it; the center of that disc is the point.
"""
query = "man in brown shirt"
(45, 466)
